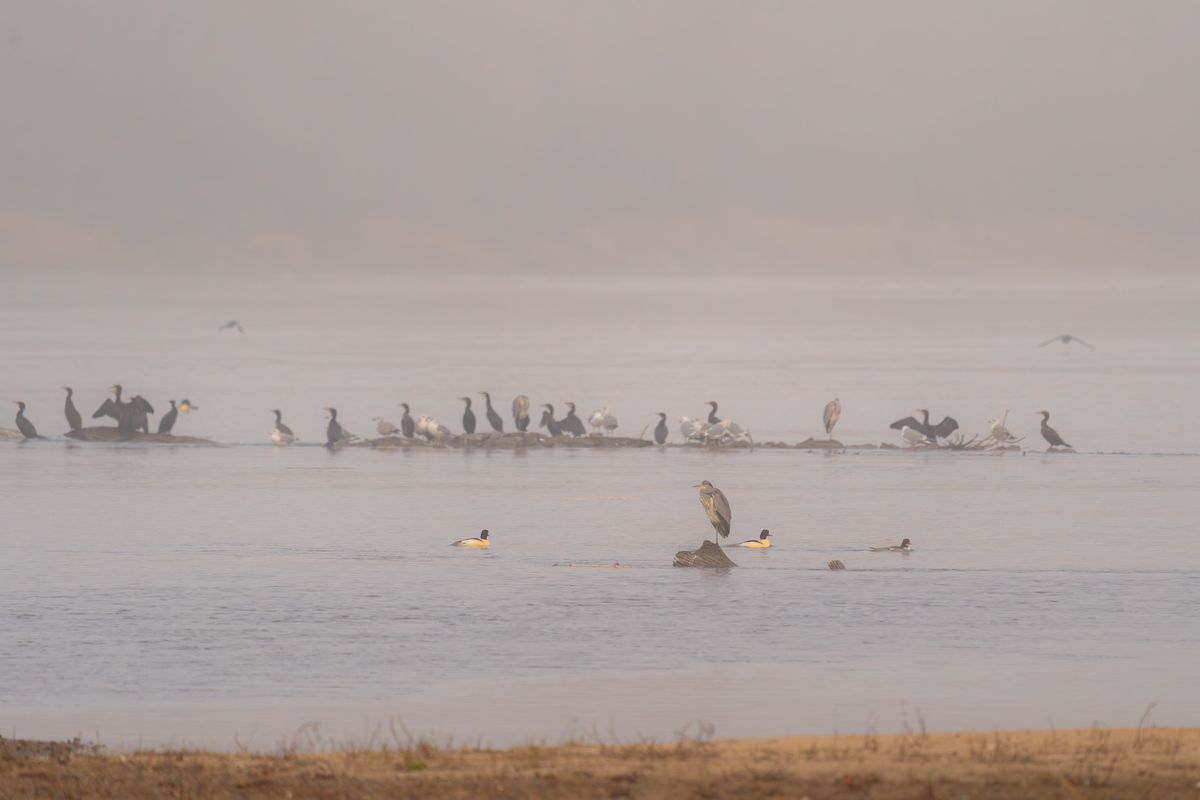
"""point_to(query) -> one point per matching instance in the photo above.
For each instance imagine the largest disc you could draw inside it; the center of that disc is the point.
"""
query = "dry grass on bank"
(1071, 764)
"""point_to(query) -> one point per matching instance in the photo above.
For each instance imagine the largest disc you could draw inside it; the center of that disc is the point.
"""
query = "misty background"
(795, 138)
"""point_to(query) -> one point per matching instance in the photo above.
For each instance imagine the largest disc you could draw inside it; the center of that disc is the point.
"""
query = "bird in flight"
(1066, 338)
(233, 323)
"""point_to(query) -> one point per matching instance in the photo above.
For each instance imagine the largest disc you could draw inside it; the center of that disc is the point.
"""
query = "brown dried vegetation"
(1095, 763)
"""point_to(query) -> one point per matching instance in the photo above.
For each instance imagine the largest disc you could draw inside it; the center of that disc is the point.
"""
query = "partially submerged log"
(108, 433)
(710, 556)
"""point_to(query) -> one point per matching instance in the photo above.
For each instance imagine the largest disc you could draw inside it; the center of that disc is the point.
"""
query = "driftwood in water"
(709, 555)
(836, 564)
(108, 433)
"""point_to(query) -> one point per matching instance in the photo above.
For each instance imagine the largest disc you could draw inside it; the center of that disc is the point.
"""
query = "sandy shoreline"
(1081, 763)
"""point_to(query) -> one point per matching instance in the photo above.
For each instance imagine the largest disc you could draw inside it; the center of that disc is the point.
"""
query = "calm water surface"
(218, 594)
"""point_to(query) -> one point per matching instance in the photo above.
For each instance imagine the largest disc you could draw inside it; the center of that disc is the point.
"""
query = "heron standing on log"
(717, 507)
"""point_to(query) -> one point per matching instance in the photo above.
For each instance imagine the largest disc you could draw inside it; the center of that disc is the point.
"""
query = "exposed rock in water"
(509, 441)
(821, 444)
(107, 433)
(710, 555)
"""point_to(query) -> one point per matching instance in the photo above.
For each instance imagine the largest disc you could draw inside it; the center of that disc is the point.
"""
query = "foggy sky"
(571, 137)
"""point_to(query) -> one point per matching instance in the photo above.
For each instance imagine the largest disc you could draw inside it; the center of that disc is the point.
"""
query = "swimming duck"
(904, 547)
(763, 540)
(475, 541)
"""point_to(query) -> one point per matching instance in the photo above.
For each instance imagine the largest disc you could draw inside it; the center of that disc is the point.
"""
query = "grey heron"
(833, 412)
(520, 411)
(716, 506)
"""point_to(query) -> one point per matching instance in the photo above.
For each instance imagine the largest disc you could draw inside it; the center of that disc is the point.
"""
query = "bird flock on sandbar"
(132, 416)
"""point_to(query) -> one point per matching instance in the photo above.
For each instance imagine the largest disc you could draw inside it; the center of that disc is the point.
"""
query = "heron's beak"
(697, 485)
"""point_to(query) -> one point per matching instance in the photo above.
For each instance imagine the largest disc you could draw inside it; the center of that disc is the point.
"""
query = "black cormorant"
(407, 426)
(713, 419)
(168, 419)
(111, 407)
(135, 416)
(549, 422)
(73, 417)
(1049, 434)
(333, 431)
(943, 429)
(572, 424)
(716, 506)
(660, 430)
(23, 425)
(492, 417)
(468, 416)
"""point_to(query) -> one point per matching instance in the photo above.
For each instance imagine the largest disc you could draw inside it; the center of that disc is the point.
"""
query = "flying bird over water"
(660, 430)
(571, 423)
(73, 418)
(492, 417)
(281, 434)
(407, 425)
(1049, 434)
(168, 419)
(520, 410)
(233, 324)
(23, 425)
(468, 416)
(833, 411)
(716, 507)
(1066, 338)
